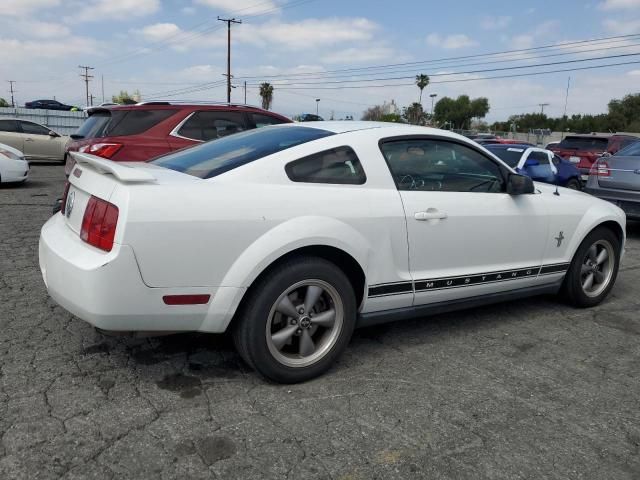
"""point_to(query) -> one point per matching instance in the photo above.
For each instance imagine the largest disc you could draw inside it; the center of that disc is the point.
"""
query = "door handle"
(430, 214)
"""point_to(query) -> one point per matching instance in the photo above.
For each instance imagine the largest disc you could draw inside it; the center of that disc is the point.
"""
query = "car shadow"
(633, 229)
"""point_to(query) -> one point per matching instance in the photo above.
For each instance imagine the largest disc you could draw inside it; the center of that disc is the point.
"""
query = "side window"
(34, 128)
(440, 165)
(338, 166)
(133, 122)
(211, 125)
(9, 126)
(556, 160)
(261, 120)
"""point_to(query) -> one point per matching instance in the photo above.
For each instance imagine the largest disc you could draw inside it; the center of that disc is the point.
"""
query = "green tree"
(460, 111)
(373, 114)
(422, 81)
(479, 107)
(124, 98)
(414, 114)
(4, 103)
(266, 93)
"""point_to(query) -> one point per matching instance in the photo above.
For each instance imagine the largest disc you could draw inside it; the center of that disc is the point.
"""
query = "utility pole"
(229, 21)
(542, 105)
(317, 107)
(11, 82)
(245, 92)
(566, 98)
(433, 96)
(86, 78)
(102, 78)
(91, 99)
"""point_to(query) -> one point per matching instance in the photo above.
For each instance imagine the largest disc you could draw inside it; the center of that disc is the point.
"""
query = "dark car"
(539, 164)
(616, 178)
(584, 150)
(48, 105)
(140, 132)
(309, 117)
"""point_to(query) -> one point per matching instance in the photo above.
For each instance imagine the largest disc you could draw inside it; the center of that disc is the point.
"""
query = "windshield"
(219, 156)
(584, 143)
(632, 150)
(511, 156)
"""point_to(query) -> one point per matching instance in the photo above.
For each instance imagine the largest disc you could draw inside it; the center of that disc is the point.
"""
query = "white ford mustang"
(291, 236)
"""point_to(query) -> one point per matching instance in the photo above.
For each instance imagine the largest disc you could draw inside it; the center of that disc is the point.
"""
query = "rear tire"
(574, 184)
(296, 320)
(593, 270)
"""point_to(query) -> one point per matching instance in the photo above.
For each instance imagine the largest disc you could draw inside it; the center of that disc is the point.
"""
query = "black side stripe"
(401, 288)
(391, 289)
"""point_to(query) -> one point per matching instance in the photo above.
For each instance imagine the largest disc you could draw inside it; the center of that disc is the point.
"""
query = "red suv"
(146, 130)
(584, 150)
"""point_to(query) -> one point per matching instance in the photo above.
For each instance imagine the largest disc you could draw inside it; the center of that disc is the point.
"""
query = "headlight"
(11, 155)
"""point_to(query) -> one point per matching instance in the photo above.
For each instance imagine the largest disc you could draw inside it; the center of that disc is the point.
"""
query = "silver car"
(616, 178)
(36, 141)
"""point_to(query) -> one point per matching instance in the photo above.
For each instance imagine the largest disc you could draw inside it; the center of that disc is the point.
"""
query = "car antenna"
(556, 193)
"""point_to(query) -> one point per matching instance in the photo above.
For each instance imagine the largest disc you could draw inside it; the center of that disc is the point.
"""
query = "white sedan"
(291, 236)
(13, 166)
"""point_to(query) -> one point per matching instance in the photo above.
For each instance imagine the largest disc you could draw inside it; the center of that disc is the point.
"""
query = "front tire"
(574, 184)
(593, 270)
(296, 320)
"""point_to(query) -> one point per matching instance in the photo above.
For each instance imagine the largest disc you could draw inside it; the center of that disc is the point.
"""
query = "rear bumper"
(107, 291)
(628, 201)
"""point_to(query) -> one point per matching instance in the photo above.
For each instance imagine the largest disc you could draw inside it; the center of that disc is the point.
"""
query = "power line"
(466, 57)
(469, 72)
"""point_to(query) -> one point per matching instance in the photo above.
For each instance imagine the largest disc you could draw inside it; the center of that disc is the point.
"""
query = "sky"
(171, 49)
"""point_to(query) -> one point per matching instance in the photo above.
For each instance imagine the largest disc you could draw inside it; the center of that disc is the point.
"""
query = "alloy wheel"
(597, 268)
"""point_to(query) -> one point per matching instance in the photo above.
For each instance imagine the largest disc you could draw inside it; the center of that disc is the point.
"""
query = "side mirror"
(519, 184)
(53, 134)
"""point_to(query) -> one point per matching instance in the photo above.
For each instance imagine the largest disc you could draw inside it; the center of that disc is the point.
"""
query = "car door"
(467, 236)
(537, 164)
(38, 144)
(10, 134)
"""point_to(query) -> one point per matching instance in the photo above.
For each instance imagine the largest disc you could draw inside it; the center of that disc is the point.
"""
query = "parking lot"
(529, 389)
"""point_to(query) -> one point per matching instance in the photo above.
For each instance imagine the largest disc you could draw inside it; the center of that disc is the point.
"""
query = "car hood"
(15, 151)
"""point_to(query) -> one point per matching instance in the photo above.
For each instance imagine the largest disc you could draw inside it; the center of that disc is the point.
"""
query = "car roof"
(396, 129)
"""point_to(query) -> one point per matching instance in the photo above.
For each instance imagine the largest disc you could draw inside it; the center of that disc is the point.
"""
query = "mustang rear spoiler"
(124, 173)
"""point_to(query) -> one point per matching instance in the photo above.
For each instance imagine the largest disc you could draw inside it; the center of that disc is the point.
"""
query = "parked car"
(481, 136)
(616, 178)
(143, 131)
(501, 141)
(583, 150)
(36, 141)
(290, 236)
(13, 166)
(48, 105)
(309, 117)
(539, 164)
(551, 144)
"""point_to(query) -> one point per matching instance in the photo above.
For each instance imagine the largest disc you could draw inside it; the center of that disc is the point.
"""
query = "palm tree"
(266, 92)
(422, 81)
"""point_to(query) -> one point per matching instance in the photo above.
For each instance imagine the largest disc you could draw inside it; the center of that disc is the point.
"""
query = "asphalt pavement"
(523, 390)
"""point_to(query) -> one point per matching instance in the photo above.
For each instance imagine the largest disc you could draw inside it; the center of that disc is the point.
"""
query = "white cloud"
(521, 42)
(100, 10)
(159, 31)
(188, 10)
(46, 29)
(309, 33)
(361, 54)
(619, 4)
(495, 22)
(19, 52)
(635, 73)
(622, 27)
(241, 7)
(18, 8)
(450, 42)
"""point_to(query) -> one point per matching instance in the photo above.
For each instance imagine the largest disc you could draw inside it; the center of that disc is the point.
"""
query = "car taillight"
(63, 205)
(104, 150)
(600, 168)
(99, 224)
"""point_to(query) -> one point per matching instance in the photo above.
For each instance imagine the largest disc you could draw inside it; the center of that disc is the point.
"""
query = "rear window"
(584, 143)
(632, 150)
(219, 156)
(116, 123)
(510, 155)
